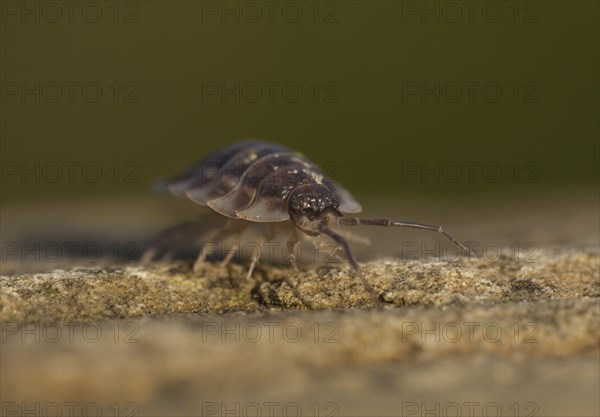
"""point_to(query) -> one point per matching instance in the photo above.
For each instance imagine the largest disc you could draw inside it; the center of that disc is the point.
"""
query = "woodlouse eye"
(310, 212)
(313, 201)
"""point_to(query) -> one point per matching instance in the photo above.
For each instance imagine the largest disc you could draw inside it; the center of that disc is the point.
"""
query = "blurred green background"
(360, 67)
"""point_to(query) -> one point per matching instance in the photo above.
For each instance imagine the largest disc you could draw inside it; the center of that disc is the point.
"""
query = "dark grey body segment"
(252, 180)
(231, 172)
(203, 171)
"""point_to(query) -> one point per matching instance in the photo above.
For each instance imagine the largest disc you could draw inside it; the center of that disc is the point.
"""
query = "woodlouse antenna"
(355, 221)
(340, 239)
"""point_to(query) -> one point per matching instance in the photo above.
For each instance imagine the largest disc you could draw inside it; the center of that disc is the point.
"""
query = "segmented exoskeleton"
(264, 182)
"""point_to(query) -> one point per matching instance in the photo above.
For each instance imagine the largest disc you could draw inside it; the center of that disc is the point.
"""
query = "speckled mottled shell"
(252, 180)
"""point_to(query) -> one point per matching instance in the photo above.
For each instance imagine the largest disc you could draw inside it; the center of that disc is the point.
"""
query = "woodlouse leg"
(172, 238)
(215, 234)
(292, 242)
(344, 243)
(257, 252)
(230, 253)
(354, 237)
(230, 228)
(326, 249)
(350, 258)
(149, 255)
(291, 245)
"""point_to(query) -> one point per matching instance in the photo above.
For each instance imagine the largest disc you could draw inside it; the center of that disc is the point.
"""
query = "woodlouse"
(256, 181)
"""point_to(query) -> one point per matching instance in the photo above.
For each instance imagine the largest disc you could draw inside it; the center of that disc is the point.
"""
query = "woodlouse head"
(311, 206)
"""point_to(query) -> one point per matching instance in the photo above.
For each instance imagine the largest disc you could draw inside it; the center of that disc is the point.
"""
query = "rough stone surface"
(517, 335)
(86, 294)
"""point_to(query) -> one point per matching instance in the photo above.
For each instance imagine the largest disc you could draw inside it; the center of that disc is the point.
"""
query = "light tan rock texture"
(87, 294)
